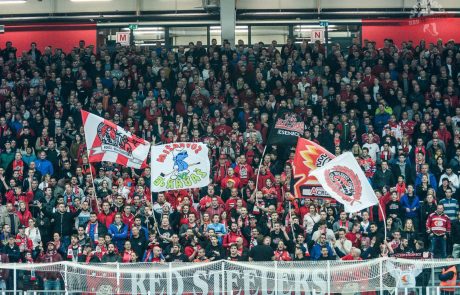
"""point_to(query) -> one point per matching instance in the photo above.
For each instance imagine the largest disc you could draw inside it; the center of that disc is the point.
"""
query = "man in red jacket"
(355, 254)
(263, 176)
(230, 177)
(206, 201)
(438, 227)
(16, 195)
(231, 237)
(243, 170)
(106, 216)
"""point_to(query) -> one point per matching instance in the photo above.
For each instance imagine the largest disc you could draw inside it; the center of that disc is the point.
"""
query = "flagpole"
(91, 171)
(290, 221)
(258, 171)
(384, 222)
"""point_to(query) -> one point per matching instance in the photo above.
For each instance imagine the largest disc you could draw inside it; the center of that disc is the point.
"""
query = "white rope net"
(310, 277)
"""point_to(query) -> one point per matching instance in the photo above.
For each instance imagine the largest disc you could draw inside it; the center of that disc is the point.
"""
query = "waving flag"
(179, 165)
(108, 142)
(288, 127)
(344, 180)
(309, 156)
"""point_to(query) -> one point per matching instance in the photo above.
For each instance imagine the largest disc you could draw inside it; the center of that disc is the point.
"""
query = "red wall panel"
(65, 36)
(428, 29)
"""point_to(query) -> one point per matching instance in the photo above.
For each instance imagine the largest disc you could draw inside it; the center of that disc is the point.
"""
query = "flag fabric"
(110, 143)
(288, 127)
(344, 180)
(179, 165)
(309, 156)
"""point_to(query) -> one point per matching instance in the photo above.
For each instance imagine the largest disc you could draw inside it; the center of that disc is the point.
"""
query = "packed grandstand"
(396, 108)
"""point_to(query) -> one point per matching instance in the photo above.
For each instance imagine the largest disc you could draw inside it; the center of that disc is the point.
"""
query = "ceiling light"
(13, 2)
(90, 0)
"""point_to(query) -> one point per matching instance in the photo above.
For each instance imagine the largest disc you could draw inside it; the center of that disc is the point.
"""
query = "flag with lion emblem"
(180, 165)
(110, 143)
(344, 180)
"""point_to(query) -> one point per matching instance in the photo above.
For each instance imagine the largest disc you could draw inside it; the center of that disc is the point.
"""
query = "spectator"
(119, 232)
(317, 249)
(438, 227)
(51, 280)
(342, 245)
(43, 165)
(411, 205)
(111, 256)
(450, 205)
(62, 221)
(262, 252)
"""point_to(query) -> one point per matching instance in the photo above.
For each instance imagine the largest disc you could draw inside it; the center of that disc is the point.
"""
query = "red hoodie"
(24, 217)
(230, 239)
(106, 219)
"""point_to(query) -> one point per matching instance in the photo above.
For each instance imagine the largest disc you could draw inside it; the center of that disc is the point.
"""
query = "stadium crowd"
(396, 108)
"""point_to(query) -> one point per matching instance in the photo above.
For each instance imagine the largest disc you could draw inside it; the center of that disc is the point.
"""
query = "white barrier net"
(309, 277)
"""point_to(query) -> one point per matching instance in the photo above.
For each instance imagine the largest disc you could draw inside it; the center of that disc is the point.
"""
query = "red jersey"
(244, 172)
(438, 224)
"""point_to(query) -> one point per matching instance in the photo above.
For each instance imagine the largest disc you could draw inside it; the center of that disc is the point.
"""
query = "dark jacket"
(139, 245)
(455, 232)
(382, 179)
(13, 253)
(111, 258)
(409, 172)
(62, 223)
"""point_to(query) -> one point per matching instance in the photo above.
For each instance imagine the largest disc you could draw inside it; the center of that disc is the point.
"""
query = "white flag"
(111, 143)
(179, 165)
(344, 180)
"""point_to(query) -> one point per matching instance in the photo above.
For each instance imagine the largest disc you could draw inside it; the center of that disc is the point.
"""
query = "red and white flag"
(108, 142)
(345, 181)
(309, 156)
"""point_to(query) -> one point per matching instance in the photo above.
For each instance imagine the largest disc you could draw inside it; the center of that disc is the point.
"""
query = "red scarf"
(100, 251)
(347, 225)
(96, 231)
(23, 241)
(88, 257)
(70, 252)
(32, 272)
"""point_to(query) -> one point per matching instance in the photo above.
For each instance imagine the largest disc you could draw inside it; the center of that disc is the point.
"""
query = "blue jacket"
(413, 203)
(119, 235)
(431, 179)
(316, 251)
(218, 228)
(44, 167)
(29, 159)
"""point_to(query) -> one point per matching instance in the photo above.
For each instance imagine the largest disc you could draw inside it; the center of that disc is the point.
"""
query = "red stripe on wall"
(416, 29)
(64, 36)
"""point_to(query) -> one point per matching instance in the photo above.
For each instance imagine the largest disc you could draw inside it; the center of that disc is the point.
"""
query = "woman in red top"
(128, 253)
(191, 250)
(24, 214)
(281, 254)
(270, 193)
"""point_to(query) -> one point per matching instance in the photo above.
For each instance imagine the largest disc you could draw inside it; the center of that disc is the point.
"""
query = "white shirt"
(34, 235)
(373, 150)
(405, 278)
(309, 221)
(453, 180)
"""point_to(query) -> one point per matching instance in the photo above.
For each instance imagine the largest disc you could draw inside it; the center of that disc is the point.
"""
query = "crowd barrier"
(383, 276)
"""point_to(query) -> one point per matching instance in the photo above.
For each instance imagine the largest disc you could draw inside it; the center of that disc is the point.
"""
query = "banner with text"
(179, 165)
